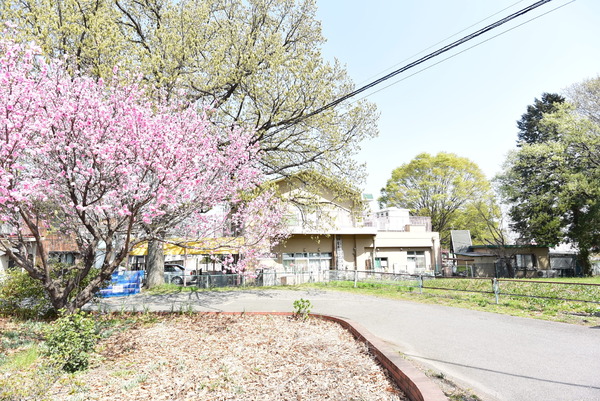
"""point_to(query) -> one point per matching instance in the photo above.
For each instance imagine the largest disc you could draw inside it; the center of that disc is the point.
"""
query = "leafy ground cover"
(198, 356)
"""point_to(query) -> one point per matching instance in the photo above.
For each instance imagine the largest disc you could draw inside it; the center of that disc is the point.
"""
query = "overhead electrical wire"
(440, 42)
(417, 62)
(462, 51)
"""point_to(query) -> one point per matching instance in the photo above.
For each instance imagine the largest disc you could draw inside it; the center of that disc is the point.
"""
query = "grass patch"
(136, 381)
(515, 296)
(26, 373)
(123, 373)
(21, 359)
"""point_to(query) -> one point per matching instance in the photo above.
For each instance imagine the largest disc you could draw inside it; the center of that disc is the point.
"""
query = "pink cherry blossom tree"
(101, 164)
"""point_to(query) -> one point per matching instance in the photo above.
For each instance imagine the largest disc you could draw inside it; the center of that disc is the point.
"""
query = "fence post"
(355, 277)
(496, 288)
(420, 284)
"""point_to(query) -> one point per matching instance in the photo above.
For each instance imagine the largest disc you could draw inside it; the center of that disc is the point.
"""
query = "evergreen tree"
(530, 129)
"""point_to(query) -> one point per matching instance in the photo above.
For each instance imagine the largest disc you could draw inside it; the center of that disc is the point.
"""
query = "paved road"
(501, 358)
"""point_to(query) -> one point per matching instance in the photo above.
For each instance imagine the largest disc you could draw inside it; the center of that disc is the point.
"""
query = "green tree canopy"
(257, 61)
(530, 128)
(552, 185)
(450, 189)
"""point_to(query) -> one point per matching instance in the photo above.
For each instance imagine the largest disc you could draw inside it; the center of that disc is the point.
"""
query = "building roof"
(461, 240)
(507, 246)
(207, 246)
(336, 231)
(474, 254)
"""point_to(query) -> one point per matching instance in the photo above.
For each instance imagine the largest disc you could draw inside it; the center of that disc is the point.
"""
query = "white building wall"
(395, 246)
(392, 218)
(3, 264)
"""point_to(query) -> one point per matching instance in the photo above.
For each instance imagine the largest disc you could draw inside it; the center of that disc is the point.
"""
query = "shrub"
(302, 308)
(70, 340)
(23, 296)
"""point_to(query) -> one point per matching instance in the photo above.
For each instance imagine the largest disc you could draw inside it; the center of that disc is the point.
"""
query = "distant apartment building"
(347, 235)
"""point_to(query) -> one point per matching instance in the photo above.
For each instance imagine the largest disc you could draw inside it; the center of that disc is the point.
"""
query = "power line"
(417, 62)
(462, 51)
(441, 41)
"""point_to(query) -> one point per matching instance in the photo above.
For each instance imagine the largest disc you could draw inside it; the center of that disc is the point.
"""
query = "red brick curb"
(412, 381)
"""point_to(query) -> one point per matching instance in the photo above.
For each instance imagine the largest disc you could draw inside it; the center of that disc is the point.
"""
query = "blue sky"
(468, 104)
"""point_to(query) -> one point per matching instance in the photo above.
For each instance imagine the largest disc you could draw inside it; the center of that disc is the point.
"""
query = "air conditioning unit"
(546, 273)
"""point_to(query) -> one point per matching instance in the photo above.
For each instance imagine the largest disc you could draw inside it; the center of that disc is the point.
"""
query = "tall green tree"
(258, 63)
(445, 187)
(552, 185)
(530, 128)
(585, 96)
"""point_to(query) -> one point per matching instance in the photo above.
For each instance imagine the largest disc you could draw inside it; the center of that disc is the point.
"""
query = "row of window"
(414, 259)
(318, 261)
(300, 262)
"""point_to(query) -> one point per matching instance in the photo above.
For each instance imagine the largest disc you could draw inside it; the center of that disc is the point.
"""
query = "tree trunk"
(510, 270)
(155, 264)
(583, 259)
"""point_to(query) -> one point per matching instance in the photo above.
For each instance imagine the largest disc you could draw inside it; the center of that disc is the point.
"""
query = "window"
(137, 262)
(216, 263)
(67, 258)
(173, 269)
(381, 263)
(525, 261)
(562, 262)
(415, 259)
(300, 262)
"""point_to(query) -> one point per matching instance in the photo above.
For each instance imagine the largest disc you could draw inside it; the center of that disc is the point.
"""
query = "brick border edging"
(411, 381)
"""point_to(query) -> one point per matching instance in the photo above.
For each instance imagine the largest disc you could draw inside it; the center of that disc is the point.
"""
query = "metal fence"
(537, 289)
(409, 281)
(488, 270)
(496, 287)
(274, 278)
(268, 279)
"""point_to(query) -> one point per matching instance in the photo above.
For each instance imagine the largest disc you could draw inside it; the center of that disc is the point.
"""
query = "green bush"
(23, 296)
(70, 339)
(302, 308)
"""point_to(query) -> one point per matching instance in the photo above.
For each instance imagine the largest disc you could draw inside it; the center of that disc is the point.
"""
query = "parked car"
(175, 274)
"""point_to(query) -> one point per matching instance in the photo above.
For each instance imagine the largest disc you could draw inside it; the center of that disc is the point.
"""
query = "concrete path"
(501, 358)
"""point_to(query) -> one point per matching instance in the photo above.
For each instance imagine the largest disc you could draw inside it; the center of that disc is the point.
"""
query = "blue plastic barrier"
(123, 283)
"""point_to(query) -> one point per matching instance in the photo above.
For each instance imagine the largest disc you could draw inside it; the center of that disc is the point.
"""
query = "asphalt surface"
(500, 358)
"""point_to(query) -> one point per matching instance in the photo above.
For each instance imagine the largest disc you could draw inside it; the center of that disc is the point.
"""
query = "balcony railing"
(360, 220)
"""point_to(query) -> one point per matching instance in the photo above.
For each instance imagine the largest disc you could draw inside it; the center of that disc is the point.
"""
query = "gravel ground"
(225, 357)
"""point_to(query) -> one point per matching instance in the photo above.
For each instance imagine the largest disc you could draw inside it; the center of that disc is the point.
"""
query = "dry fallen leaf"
(225, 357)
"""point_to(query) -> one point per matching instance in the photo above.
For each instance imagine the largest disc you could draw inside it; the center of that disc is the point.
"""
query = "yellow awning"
(208, 246)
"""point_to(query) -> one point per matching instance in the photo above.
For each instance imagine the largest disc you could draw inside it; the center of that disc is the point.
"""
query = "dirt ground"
(225, 357)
